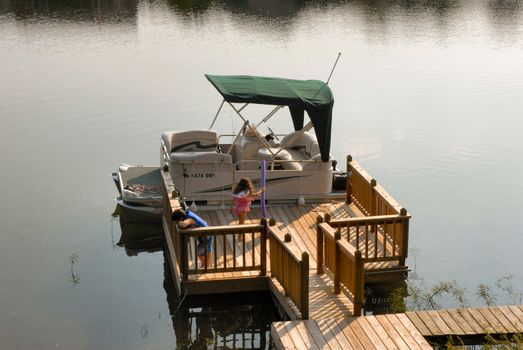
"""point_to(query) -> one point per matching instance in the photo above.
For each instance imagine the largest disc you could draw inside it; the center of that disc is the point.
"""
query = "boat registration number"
(199, 175)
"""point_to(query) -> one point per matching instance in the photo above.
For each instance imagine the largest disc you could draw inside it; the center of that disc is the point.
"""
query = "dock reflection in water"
(231, 321)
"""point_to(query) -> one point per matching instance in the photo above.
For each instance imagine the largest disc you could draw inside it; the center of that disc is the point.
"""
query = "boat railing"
(291, 268)
(365, 192)
(273, 163)
(343, 261)
(233, 248)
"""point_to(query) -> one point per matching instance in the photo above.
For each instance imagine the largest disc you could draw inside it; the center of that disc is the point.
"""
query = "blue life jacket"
(198, 221)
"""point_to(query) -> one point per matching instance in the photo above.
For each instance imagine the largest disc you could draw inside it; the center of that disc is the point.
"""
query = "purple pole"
(263, 166)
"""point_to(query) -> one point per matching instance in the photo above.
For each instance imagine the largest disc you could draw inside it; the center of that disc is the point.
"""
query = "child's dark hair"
(178, 215)
(244, 184)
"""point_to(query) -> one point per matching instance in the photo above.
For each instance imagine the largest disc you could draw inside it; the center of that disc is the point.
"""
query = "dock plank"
(359, 332)
(321, 340)
(492, 320)
(281, 336)
(429, 322)
(414, 333)
(505, 322)
(403, 332)
(369, 331)
(299, 341)
(391, 331)
(335, 331)
(418, 323)
(350, 335)
(483, 323)
(463, 323)
(330, 338)
(512, 318)
(451, 323)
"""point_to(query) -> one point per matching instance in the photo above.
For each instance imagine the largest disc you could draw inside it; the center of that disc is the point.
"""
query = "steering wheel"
(273, 134)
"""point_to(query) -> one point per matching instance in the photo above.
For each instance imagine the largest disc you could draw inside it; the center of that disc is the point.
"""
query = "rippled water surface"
(429, 99)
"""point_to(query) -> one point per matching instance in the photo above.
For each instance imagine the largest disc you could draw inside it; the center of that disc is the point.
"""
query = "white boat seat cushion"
(200, 157)
(305, 143)
(264, 153)
(198, 140)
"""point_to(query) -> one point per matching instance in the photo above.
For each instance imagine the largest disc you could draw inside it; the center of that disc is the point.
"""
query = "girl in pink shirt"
(242, 196)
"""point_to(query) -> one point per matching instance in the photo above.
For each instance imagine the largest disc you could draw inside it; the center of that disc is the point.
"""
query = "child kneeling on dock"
(186, 219)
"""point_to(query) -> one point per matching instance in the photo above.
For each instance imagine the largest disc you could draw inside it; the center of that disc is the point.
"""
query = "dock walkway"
(410, 330)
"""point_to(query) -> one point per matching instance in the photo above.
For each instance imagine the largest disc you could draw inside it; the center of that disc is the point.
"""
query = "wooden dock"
(314, 258)
(410, 330)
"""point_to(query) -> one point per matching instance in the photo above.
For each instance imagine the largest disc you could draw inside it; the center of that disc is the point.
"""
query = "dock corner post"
(319, 245)
(184, 257)
(360, 283)
(348, 200)
(304, 286)
(337, 262)
(373, 199)
(272, 222)
(263, 247)
(404, 237)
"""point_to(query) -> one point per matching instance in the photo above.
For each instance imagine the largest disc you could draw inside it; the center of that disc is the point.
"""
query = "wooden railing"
(234, 248)
(230, 254)
(343, 261)
(379, 238)
(365, 192)
(291, 269)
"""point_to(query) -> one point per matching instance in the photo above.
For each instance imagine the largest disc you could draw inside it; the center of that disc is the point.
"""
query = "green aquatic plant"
(74, 277)
(486, 294)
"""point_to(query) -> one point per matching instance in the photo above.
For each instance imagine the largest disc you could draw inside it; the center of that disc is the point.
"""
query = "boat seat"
(284, 154)
(307, 144)
(200, 157)
(198, 140)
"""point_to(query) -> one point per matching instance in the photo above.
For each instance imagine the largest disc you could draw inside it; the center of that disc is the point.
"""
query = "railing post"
(348, 200)
(404, 237)
(327, 218)
(319, 245)
(184, 257)
(359, 283)
(304, 286)
(337, 262)
(263, 247)
(373, 198)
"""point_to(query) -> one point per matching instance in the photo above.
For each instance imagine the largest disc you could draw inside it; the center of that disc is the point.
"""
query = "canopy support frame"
(217, 113)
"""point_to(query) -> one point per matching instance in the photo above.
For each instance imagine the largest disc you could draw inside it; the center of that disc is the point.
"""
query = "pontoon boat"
(299, 164)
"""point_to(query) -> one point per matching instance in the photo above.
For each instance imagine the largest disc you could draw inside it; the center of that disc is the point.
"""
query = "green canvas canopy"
(313, 96)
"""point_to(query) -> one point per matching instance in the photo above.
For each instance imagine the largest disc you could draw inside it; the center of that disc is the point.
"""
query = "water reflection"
(385, 298)
(239, 321)
(280, 13)
(138, 237)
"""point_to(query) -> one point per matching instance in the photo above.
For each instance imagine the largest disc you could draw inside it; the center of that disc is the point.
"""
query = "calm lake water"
(429, 99)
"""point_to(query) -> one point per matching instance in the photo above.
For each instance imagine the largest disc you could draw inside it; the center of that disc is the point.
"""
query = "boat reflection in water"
(221, 321)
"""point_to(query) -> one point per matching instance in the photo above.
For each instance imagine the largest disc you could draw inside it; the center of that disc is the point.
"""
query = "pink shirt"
(243, 201)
